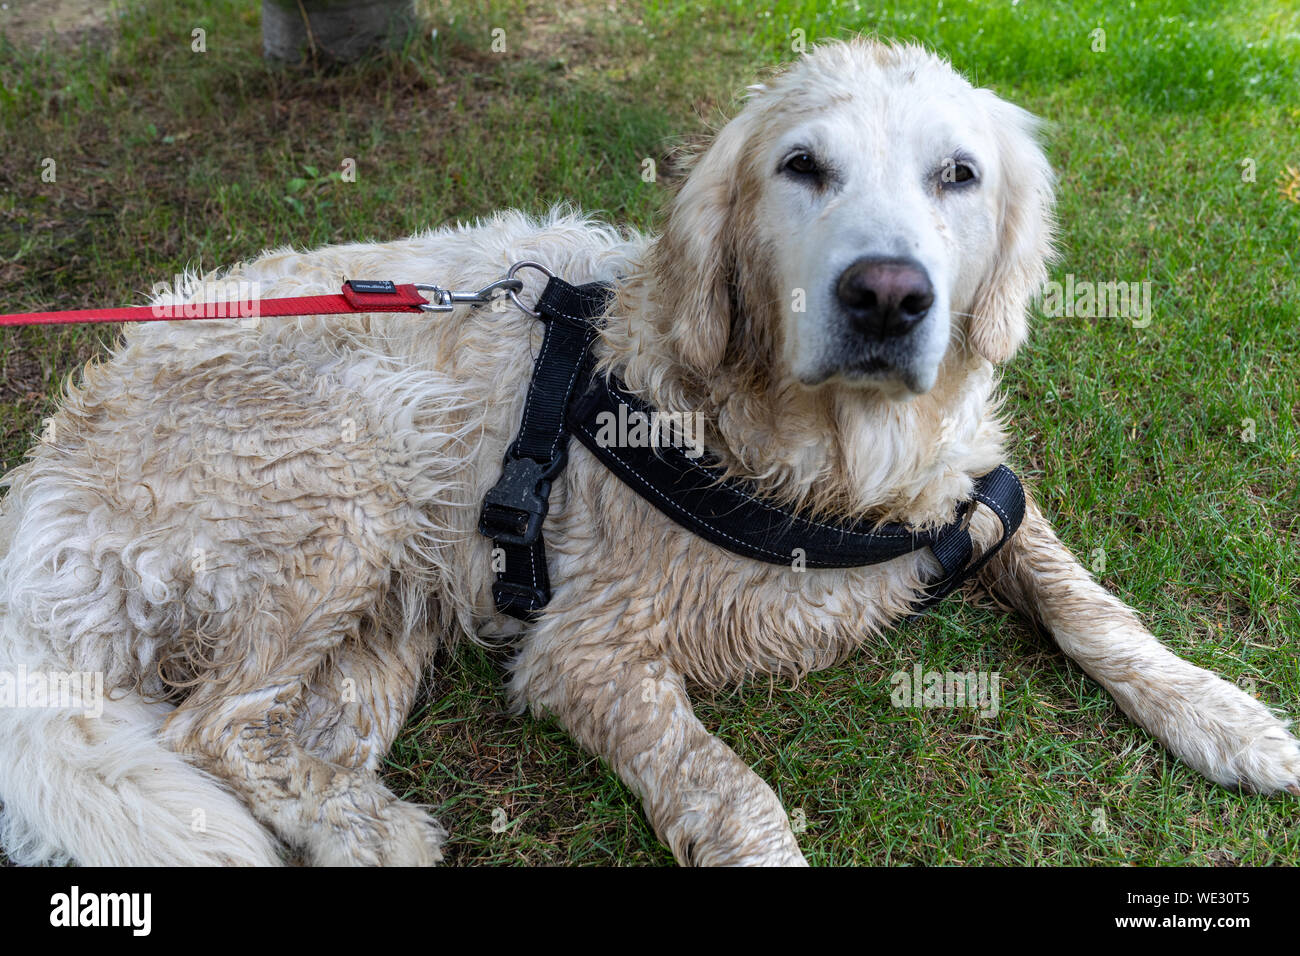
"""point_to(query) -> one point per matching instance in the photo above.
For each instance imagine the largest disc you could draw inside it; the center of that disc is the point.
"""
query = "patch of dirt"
(23, 380)
(29, 21)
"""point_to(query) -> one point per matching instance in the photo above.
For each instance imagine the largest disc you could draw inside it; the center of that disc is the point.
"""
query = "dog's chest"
(718, 616)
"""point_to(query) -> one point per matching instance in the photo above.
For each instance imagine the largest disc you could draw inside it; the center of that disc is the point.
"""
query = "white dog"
(257, 536)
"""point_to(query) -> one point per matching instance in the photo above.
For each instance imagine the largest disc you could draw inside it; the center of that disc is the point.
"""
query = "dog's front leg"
(1212, 725)
(701, 798)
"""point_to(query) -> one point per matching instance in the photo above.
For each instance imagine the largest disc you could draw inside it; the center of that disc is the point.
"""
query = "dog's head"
(866, 212)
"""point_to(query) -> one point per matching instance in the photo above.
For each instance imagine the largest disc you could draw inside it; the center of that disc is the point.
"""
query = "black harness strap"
(1001, 492)
(514, 508)
(728, 512)
(564, 396)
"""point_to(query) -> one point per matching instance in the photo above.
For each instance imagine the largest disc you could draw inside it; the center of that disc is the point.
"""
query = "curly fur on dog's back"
(215, 504)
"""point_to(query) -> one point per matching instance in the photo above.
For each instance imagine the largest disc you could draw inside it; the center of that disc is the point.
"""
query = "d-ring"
(527, 264)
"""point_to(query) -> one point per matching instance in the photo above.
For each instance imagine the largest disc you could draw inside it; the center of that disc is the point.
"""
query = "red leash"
(358, 296)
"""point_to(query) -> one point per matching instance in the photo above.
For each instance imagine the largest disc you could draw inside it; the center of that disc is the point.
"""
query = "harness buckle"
(520, 601)
(513, 508)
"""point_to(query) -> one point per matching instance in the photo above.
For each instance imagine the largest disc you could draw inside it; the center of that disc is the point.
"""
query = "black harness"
(564, 398)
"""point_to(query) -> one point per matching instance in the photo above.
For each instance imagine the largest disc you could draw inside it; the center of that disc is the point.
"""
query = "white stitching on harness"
(528, 403)
(997, 510)
(568, 391)
(767, 507)
(782, 558)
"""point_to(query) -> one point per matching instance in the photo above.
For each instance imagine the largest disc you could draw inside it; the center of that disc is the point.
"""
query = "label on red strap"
(381, 295)
(372, 286)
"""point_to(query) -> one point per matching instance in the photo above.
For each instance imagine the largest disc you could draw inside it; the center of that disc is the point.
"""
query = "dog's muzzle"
(883, 304)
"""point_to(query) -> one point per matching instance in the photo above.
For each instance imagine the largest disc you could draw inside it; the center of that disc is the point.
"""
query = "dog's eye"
(956, 172)
(802, 164)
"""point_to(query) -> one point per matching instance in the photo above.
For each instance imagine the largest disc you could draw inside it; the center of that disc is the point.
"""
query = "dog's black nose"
(885, 297)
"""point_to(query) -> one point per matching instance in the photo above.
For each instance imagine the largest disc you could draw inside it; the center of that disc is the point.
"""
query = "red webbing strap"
(403, 298)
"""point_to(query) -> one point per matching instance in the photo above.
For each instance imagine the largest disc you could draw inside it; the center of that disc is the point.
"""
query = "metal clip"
(444, 300)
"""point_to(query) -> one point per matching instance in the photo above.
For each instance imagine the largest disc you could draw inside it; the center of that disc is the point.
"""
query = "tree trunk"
(331, 30)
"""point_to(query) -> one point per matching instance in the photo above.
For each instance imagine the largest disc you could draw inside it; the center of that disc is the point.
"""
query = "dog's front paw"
(1236, 741)
(1269, 762)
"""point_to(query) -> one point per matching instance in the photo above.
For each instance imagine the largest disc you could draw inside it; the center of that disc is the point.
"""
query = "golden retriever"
(257, 534)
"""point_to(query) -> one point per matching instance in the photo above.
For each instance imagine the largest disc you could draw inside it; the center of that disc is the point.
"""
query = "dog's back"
(226, 516)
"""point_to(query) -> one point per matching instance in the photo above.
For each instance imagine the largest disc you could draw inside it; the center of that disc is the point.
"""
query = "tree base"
(332, 31)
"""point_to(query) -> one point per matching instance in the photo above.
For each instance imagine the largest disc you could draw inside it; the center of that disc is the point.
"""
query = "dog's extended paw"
(1236, 741)
(1269, 762)
(1280, 766)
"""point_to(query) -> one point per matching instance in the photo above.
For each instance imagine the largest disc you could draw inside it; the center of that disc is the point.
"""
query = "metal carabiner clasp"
(444, 300)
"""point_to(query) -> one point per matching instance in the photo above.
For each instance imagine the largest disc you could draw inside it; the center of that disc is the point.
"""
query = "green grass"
(168, 158)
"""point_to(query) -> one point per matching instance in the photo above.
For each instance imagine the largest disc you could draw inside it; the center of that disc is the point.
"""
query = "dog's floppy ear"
(696, 255)
(1025, 233)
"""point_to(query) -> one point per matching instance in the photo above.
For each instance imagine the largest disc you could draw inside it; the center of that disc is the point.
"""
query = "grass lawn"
(1136, 438)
